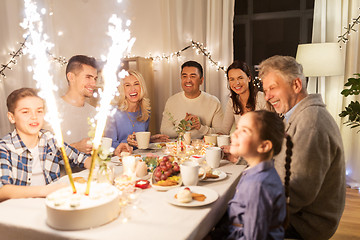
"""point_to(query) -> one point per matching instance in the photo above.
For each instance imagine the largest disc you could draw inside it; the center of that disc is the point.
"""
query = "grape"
(163, 177)
(157, 179)
(157, 170)
(166, 158)
(162, 163)
(167, 173)
(168, 165)
(158, 174)
(176, 168)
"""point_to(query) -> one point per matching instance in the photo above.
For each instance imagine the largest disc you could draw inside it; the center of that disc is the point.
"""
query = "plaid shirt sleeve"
(5, 167)
(54, 157)
(14, 167)
(76, 158)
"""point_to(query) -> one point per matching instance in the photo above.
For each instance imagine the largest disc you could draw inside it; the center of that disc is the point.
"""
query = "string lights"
(351, 27)
(21, 51)
(199, 48)
(13, 60)
(61, 60)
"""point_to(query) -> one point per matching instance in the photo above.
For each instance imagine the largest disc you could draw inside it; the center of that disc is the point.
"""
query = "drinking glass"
(198, 144)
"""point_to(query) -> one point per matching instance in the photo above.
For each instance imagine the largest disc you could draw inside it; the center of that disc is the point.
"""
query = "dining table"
(151, 217)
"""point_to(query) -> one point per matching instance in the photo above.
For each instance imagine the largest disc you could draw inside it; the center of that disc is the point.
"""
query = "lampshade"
(320, 59)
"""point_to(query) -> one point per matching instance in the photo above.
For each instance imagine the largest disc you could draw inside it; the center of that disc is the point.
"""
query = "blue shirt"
(122, 124)
(290, 112)
(258, 204)
(16, 159)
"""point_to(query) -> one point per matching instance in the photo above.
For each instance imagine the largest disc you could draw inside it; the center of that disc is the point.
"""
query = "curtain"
(330, 18)
(160, 27)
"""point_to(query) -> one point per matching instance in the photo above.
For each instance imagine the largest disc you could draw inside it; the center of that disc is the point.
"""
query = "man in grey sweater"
(317, 182)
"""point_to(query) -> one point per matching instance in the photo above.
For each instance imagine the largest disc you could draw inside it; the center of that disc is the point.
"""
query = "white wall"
(160, 26)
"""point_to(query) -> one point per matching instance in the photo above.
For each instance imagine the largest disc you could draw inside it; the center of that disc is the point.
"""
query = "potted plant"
(353, 109)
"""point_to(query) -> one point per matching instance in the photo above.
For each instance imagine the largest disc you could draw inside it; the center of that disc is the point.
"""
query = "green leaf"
(352, 110)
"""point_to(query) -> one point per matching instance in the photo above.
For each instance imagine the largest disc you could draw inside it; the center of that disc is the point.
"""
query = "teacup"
(190, 173)
(213, 156)
(143, 139)
(211, 139)
(223, 140)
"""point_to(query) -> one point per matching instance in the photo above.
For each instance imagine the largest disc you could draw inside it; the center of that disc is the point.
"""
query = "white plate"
(163, 188)
(222, 175)
(115, 159)
(211, 196)
(156, 146)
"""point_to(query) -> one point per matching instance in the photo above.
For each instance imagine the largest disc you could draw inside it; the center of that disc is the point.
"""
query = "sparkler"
(121, 42)
(37, 49)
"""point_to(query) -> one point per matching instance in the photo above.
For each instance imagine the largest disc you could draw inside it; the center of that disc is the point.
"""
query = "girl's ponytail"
(289, 146)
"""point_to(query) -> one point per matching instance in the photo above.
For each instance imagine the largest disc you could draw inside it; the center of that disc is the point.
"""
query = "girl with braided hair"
(258, 208)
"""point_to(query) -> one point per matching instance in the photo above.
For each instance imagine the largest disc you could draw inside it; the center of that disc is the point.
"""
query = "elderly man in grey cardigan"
(317, 182)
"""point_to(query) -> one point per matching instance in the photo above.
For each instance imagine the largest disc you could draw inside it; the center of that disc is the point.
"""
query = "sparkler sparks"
(122, 42)
(37, 49)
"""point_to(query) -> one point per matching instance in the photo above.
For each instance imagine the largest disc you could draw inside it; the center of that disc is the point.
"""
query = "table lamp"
(320, 60)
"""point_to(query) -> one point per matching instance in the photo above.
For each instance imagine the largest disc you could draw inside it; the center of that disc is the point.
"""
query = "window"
(263, 28)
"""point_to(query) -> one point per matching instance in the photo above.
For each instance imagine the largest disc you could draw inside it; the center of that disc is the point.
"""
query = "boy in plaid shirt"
(29, 158)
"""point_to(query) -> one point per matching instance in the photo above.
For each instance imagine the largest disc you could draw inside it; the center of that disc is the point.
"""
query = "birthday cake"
(68, 211)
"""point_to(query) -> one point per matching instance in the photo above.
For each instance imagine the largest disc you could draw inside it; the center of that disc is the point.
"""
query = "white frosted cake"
(68, 211)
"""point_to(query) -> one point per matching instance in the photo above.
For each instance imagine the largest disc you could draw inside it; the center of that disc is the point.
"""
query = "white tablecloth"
(157, 219)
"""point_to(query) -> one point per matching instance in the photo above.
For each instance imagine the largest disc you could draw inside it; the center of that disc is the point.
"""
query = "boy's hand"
(52, 188)
(84, 145)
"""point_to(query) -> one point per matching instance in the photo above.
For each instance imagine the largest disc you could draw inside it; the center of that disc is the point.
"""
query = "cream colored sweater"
(207, 107)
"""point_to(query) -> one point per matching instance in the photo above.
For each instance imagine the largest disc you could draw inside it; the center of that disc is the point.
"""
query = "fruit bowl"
(166, 175)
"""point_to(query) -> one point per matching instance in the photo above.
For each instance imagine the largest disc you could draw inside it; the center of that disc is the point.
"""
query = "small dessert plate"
(211, 196)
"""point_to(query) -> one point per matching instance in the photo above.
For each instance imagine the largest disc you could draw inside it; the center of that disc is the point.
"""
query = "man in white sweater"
(204, 110)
